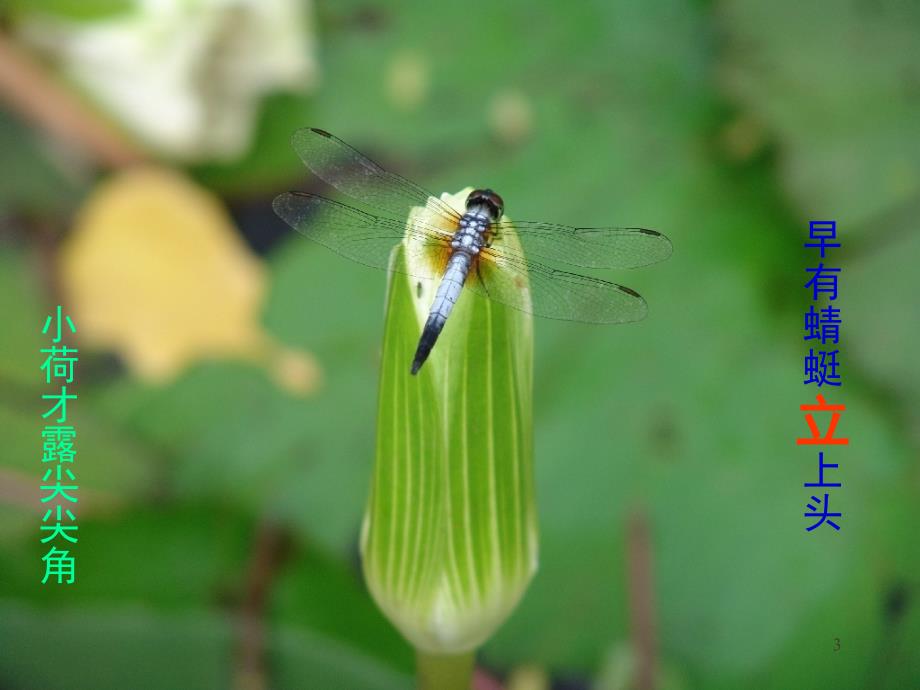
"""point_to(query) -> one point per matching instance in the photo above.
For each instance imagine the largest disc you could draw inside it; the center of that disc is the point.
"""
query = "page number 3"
(836, 644)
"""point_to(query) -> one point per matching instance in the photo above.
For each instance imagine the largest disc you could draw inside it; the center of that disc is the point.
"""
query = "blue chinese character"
(821, 467)
(823, 324)
(822, 230)
(824, 515)
(823, 280)
(822, 368)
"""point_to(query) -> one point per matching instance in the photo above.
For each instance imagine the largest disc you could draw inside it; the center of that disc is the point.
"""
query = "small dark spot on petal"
(418, 289)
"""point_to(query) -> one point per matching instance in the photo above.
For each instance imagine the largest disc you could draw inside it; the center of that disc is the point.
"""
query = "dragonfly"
(465, 248)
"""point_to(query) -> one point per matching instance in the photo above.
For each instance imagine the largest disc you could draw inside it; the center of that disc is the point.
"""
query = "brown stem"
(482, 680)
(28, 88)
(641, 600)
(268, 554)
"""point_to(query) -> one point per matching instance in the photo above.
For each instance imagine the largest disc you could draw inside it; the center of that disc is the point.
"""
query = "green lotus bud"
(449, 540)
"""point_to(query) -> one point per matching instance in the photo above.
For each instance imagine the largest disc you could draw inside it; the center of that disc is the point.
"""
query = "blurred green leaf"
(112, 648)
(73, 10)
(883, 336)
(30, 182)
(110, 462)
(704, 441)
(24, 310)
(318, 592)
(839, 85)
(171, 557)
(142, 567)
(306, 660)
(138, 648)
(232, 434)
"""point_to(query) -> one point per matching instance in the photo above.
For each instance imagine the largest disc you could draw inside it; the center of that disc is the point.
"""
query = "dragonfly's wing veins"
(356, 175)
(360, 236)
(504, 271)
(554, 293)
(610, 247)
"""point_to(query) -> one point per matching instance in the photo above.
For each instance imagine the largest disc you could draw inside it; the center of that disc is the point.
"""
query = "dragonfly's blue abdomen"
(467, 242)
(458, 267)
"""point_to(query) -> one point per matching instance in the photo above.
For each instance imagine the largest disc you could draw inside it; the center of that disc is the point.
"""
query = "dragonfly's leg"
(479, 278)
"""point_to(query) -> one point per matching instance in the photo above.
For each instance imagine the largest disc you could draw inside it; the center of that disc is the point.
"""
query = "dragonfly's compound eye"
(489, 199)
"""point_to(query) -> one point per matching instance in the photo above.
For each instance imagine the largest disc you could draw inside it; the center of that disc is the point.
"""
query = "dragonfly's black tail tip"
(430, 334)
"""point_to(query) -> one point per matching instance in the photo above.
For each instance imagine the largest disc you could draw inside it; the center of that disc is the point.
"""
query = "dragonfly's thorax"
(471, 233)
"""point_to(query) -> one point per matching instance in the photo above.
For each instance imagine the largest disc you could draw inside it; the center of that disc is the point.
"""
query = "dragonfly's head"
(487, 199)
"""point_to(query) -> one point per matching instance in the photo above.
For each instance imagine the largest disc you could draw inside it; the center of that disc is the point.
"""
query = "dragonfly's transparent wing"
(360, 236)
(554, 293)
(588, 247)
(356, 175)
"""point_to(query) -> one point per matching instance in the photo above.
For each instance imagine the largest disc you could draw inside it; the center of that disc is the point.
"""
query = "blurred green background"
(222, 491)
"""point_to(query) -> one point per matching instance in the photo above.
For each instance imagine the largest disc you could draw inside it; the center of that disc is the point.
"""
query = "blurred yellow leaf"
(155, 270)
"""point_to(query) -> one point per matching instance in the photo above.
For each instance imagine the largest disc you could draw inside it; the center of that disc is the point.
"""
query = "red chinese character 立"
(816, 437)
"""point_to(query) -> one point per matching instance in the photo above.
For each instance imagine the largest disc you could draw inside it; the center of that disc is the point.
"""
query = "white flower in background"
(185, 76)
